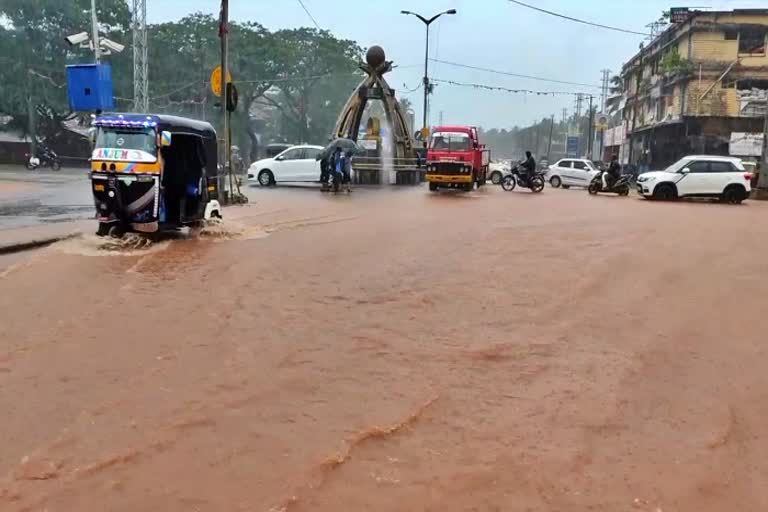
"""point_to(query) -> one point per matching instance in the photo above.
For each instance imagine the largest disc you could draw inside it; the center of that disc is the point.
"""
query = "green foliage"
(672, 63)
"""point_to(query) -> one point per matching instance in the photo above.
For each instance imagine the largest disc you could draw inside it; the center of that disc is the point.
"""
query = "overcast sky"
(486, 33)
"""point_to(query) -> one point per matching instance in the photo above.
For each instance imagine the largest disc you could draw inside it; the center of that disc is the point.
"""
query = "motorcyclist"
(613, 173)
(528, 167)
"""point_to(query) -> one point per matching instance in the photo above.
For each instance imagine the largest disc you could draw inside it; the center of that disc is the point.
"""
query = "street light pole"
(427, 22)
(426, 79)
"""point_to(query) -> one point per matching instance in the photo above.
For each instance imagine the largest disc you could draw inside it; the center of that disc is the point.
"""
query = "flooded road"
(394, 350)
(43, 196)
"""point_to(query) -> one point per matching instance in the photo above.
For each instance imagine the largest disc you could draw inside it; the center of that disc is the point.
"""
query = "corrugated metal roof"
(12, 137)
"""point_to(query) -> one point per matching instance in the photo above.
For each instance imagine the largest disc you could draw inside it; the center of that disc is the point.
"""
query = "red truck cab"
(456, 159)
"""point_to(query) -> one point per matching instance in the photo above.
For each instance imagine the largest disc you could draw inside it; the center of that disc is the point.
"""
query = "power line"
(263, 80)
(309, 14)
(516, 75)
(414, 89)
(507, 89)
(187, 86)
(295, 78)
(552, 13)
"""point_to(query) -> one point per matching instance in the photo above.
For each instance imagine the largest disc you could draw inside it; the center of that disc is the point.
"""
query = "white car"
(571, 172)
(698, 176)
(497, 171)
(295, 164)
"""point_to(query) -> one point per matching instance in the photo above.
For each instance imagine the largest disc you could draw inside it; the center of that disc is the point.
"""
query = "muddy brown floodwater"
(395, 350)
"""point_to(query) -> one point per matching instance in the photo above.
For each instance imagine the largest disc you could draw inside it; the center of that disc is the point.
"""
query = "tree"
(315, 75)
(181, 84)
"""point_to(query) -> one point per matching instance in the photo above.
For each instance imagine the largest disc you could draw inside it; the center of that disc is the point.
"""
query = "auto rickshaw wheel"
(433, 186)
(103, 229)
(116, 232)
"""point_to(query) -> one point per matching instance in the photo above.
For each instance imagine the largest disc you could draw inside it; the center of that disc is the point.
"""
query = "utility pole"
(441, 118)
(95, 29)
(578, 120)
(565, 115)
(32, 126)
(579, 101)
(551, 129)
(591, 137)
(224, 35)
(762, 177)
(604, 98)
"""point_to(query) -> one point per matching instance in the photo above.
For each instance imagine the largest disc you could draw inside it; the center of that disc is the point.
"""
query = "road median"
(32, 237)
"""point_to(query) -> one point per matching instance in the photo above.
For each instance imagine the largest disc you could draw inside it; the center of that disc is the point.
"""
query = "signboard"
(572, 147)
(601, 121)
(746, 144)
(679, 14)
(368, 144)
(614, 136)
(216, 80)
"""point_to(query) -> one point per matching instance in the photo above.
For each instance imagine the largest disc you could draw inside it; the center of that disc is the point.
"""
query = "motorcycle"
(535, 183)
(620, 185)
(46, 159)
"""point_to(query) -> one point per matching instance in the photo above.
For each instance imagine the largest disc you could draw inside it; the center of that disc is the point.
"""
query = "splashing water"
(387, 174)
(221, 229)
(132, 244)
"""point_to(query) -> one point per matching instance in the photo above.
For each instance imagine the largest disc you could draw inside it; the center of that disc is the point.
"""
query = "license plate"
(98, 188)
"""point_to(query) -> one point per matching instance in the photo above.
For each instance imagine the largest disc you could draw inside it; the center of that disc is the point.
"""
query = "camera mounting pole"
(95, 28)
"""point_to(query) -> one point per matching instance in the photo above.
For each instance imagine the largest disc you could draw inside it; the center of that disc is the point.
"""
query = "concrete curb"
(34, 244)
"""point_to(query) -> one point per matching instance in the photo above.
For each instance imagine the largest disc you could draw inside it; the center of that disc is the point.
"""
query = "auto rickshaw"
(153, 173)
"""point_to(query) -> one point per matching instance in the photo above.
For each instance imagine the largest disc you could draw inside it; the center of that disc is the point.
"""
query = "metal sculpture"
(392, 151)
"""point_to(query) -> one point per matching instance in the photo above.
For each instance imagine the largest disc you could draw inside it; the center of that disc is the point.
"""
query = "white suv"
(698, 176)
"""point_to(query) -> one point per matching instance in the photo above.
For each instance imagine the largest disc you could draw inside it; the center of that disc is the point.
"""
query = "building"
(702, 79)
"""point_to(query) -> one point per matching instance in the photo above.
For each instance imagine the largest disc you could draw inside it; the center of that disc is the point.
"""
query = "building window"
(731, 34)
(752, 40)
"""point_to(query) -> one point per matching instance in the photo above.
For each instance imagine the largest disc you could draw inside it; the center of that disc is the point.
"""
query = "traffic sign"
(572, 147)
(216, 80)
(425, 133)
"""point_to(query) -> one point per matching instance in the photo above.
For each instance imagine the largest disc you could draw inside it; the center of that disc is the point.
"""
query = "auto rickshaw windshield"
(122, 139)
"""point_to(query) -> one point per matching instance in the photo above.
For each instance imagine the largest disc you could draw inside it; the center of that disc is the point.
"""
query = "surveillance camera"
(111, 45)
(77, 38)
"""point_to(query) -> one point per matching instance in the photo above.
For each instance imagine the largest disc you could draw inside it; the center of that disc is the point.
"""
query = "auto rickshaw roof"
(173, 124)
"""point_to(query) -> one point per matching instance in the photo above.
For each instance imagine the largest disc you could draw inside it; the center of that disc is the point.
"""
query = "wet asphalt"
(43, 196)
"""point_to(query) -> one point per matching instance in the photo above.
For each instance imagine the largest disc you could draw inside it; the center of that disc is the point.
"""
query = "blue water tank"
(89, 87)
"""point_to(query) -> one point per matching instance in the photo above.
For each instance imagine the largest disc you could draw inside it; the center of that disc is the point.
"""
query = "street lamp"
(427, 22)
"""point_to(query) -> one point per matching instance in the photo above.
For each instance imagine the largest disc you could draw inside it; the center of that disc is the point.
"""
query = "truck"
(456, 159)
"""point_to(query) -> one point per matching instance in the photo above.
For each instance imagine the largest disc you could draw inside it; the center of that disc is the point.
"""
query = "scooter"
(618, 186)
(535, 183)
